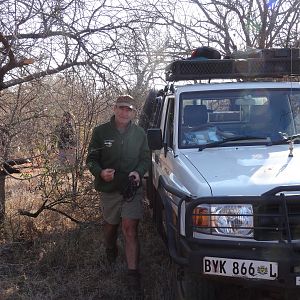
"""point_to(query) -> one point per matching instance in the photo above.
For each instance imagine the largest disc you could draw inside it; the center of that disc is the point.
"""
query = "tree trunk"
(2, 199)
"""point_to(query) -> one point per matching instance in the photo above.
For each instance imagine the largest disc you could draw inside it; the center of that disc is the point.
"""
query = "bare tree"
(33, 117)
(46, 37)
(19, 115)
(232, 24)
(63, 189)
(142, 58)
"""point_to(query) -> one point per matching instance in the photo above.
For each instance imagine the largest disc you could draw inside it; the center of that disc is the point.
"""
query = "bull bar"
(188, 251)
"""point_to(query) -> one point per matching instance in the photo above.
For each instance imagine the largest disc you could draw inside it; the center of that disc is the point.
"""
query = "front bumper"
(276, 237)
(287, 257)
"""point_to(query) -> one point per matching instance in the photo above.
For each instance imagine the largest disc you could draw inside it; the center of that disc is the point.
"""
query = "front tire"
(159, 217)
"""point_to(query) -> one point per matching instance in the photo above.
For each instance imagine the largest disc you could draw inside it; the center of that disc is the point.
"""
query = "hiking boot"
(111, 254)
(134, 282)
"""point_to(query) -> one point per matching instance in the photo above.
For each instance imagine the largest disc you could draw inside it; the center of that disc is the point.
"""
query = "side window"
(169, 124)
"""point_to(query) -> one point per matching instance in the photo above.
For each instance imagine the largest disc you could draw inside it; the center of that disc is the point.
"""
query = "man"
(118, 152)
(66, 141)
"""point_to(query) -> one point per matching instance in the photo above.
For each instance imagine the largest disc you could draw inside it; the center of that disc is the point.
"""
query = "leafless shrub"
(51, 259)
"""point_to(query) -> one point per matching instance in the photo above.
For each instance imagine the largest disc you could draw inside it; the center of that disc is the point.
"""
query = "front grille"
(277, 221)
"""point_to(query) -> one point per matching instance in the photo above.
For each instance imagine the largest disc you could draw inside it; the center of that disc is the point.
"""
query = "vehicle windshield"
(238, 116)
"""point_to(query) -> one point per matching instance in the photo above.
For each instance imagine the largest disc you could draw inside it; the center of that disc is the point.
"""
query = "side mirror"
(154, 138)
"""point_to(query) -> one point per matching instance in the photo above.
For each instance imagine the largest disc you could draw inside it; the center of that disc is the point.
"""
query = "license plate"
(253, 269)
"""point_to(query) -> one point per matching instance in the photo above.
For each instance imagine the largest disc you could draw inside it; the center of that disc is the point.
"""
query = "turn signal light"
(200, 217)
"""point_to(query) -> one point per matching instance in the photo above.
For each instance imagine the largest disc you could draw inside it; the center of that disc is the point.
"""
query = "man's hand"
(136, 177)
(107, 174)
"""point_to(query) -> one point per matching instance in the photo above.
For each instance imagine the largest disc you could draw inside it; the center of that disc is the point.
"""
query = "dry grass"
(52, 258)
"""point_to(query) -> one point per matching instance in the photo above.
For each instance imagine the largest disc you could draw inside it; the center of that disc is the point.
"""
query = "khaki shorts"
(115, 208)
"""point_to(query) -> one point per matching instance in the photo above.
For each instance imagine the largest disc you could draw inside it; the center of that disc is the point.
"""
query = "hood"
(251, 170)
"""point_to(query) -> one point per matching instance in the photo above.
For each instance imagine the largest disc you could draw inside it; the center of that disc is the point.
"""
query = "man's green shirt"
(128, 152)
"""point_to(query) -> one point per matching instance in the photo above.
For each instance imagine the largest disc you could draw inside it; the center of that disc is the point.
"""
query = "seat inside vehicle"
(195, 115)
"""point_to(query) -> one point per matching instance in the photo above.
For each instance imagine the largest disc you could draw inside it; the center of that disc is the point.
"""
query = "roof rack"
(272, 63)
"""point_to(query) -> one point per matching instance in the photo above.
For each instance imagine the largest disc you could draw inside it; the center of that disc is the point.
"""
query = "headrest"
(195, 115)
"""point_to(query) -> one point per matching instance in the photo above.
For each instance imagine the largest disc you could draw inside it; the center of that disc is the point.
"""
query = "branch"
(12, 61)
(46, 207)
(11, 58)
(64, 214)
(23, 212)
(41, 74)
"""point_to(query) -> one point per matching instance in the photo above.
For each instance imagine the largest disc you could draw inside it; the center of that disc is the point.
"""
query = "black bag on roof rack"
(205, 52)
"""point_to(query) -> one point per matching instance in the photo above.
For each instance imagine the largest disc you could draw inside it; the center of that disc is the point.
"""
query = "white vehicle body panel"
(222, 171)
(248, 170)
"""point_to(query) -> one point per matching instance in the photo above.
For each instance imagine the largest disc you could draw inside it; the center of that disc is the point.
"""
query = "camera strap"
(130, 190)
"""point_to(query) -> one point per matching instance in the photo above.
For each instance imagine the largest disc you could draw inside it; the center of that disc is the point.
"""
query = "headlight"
(224, 219)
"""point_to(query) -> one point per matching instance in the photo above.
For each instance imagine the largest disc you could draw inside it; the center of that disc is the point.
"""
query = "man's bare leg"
(132, 252)
(110, 236)
(132, 249)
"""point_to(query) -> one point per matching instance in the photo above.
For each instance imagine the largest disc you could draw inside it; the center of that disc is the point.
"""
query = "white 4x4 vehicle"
(225, 178)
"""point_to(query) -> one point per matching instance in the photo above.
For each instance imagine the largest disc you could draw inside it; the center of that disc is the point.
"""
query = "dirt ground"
(46, 258)
(72, 265)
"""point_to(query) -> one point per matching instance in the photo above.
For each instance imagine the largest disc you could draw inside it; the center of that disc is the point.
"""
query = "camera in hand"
(131, 188)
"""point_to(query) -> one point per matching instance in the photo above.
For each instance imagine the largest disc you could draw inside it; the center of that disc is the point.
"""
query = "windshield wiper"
(233, 139)
(285, 138)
